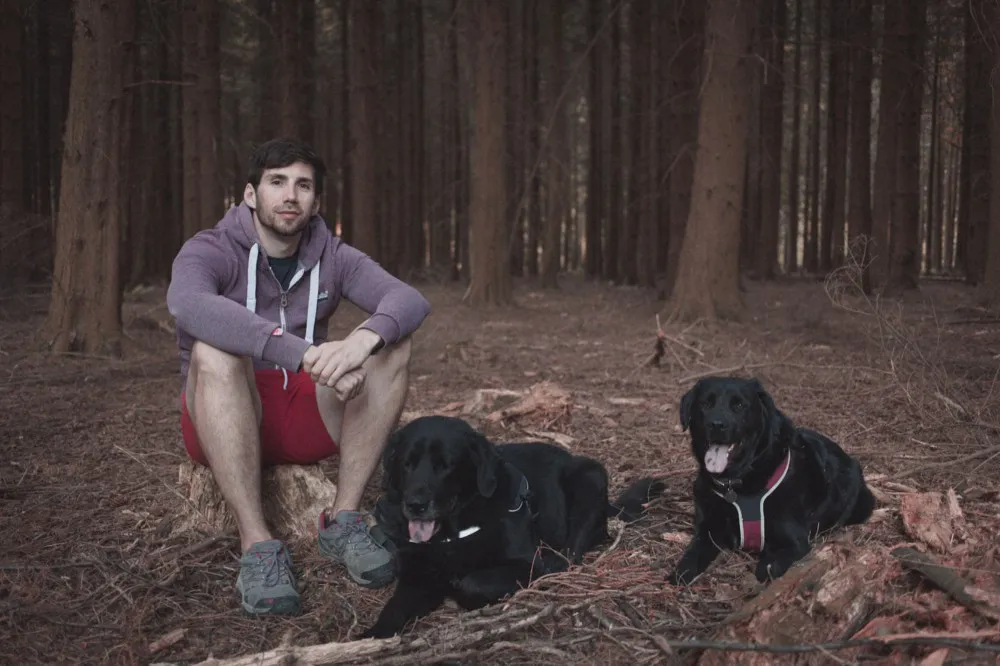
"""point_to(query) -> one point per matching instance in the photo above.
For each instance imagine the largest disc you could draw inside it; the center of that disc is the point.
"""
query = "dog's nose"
(716, 426)
(416, 507)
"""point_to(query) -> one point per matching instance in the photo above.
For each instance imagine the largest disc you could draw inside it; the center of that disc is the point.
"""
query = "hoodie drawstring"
(313, 297)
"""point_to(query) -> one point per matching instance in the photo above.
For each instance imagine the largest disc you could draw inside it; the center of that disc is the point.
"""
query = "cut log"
(823, 598)
(294, 496)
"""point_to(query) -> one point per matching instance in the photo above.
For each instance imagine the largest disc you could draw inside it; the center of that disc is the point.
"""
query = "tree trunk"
(904, 237)
(932, 220)
(596, 175)
(974, 200)
(644, 159)
(810, 237)
(860, 217)
(551, 61)
(886, 160)
(772, 139)
(363, 119)
(85, 309)
(13, 247)
(794, 189)
(518, 14)
(836, 171)
(991, 281)
(613, 228)
(708, 275)
(490, 281)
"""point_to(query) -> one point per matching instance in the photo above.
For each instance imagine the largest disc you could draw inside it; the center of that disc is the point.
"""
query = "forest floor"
(93, 570)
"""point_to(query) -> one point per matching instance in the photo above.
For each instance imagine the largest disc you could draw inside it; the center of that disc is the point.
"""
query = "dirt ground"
(93, 571)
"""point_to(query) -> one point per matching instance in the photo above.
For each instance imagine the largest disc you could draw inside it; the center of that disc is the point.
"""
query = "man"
(262, 385)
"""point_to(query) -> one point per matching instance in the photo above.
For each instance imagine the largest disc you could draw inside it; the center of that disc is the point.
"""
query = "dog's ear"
(764, 398)
(687, 402)
(486, 460)
(390, 460)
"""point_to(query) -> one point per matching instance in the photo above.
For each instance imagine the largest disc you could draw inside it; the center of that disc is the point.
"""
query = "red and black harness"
(750, 508)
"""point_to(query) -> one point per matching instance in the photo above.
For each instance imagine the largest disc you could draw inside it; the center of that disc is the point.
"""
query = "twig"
(948, 463)
(959, 641)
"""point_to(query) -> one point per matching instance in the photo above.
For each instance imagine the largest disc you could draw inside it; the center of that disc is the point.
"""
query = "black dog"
(471, 520)
(748, 452)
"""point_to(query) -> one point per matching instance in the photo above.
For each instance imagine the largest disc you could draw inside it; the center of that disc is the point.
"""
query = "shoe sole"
(279, 607)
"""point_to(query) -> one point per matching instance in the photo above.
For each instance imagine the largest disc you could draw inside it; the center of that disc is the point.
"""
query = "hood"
(238, 224)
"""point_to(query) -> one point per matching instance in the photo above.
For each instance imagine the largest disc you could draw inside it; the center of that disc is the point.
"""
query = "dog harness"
(750, 508)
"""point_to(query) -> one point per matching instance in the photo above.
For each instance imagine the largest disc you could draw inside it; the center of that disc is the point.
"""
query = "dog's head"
(434, 466)
(730, 420)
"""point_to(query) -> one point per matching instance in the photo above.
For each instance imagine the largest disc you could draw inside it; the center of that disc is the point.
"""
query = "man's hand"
(329, 362)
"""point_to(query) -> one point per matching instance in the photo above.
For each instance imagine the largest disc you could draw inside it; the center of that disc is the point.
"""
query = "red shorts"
(291, 428)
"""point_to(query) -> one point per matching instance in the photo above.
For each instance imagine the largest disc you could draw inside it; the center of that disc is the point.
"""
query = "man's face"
(285, 199)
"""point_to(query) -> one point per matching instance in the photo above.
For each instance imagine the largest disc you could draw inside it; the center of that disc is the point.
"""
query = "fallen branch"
(948, 463)
(454, 638)
(945, 578)
(961, 641)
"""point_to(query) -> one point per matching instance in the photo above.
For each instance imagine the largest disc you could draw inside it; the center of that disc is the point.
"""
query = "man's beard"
(278, 225)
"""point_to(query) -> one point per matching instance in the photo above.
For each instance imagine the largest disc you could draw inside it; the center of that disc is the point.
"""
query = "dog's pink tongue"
(421, 530)
(716, 459)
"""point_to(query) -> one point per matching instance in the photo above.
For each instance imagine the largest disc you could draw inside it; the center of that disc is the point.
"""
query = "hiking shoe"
(347, 540)
(265, 582)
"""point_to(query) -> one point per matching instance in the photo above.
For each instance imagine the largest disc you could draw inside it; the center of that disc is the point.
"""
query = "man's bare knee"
(216, 369)
(215, 365)
(395, 358)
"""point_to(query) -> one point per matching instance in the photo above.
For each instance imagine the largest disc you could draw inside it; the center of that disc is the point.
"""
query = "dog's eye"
(710, 401)
(737, 405)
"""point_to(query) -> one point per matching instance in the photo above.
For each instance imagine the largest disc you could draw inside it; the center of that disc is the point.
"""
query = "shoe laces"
(272, 568)
(356, 535)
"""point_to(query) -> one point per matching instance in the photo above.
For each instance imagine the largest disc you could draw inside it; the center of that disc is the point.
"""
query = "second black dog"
(471, 520)
(763, 485)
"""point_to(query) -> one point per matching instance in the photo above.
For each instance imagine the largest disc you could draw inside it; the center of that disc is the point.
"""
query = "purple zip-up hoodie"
(210, 300)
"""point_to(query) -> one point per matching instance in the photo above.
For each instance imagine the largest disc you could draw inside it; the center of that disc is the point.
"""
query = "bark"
(490, 281)
(772, 139)
(794, 199)
(860, 207)
(596, 175)
(991, 281)
(294, 495)
(13, 247)
(644, 158)
(708, 275)
(363, 119)
(974, 199)
(904, 238)
(823, 598)
(551, 60)
(810, 258)
(836, 173)
(886, 159)
(85, 308)
(613, 229)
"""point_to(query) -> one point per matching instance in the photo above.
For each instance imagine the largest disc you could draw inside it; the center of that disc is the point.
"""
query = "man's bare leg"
(361, 429)
(224, 405)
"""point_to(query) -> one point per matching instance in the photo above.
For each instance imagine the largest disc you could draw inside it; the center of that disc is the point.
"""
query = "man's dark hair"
(279, 153)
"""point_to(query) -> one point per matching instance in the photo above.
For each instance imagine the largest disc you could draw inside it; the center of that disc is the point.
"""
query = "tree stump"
(294, 496)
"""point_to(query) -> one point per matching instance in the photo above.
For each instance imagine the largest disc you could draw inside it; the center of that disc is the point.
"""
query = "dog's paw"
(769, 570)
(377, 631)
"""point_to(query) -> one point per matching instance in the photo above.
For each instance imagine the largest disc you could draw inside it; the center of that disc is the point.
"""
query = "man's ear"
(250, 197)
(486, 461)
